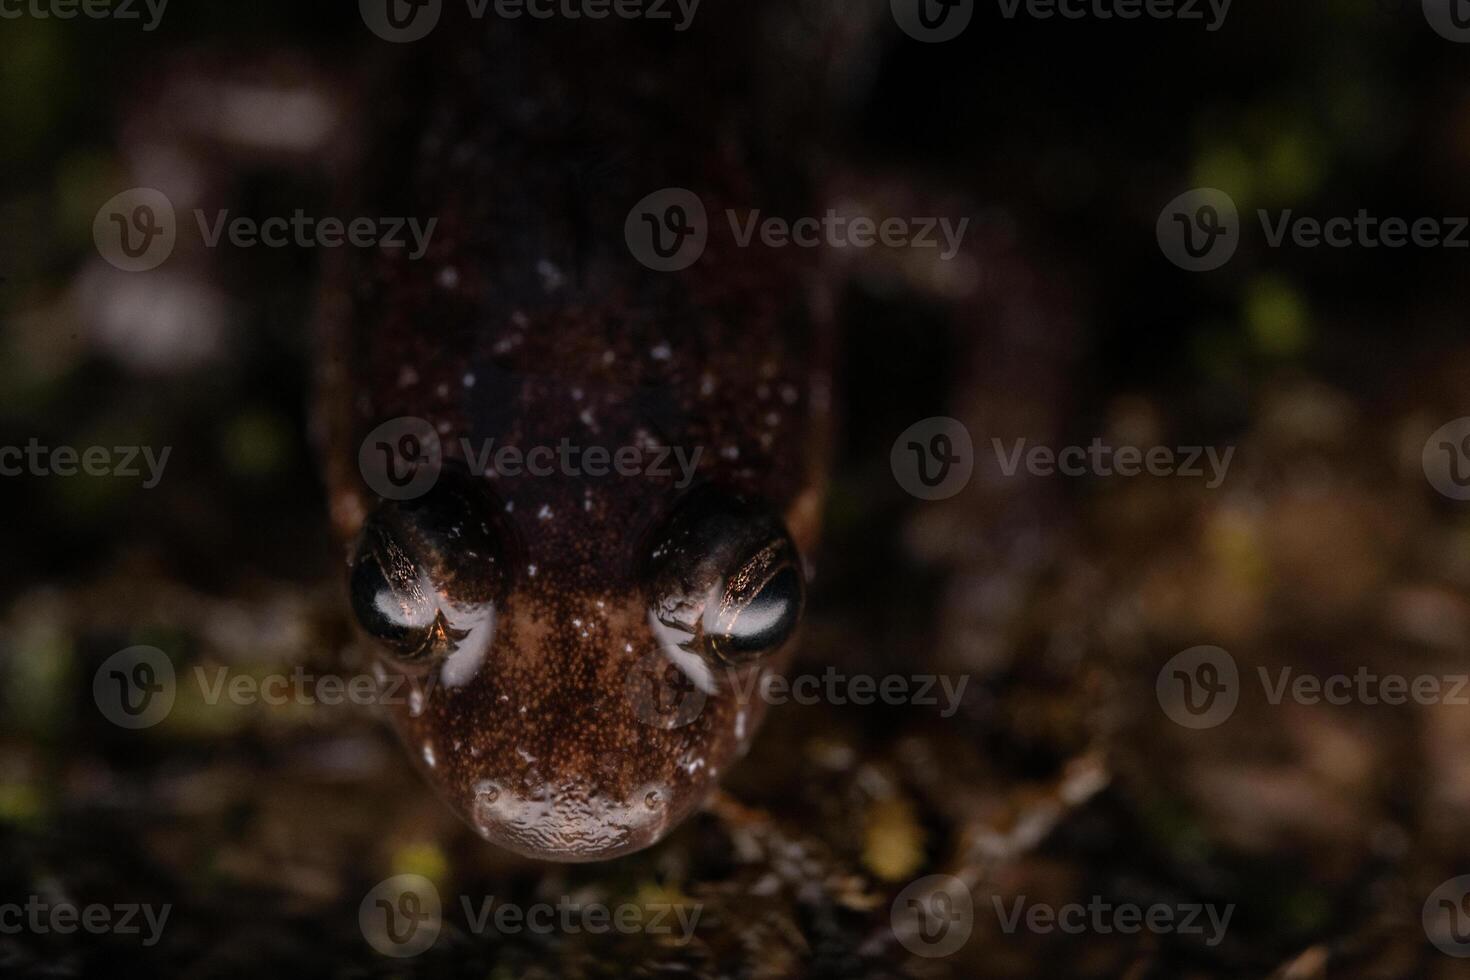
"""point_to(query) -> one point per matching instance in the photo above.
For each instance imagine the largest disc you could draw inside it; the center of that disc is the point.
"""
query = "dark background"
(1327, 549)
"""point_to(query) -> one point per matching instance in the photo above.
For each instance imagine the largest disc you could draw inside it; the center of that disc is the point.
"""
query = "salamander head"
(565, 722)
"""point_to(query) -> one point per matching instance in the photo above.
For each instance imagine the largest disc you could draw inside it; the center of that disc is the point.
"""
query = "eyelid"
(745, 586)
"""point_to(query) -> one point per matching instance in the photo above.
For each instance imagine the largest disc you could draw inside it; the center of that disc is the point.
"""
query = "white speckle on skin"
(531, 571)
(469, 380)
(661, 353)
(443, 427)
(448, 277)
(429, 759)
(544, 513)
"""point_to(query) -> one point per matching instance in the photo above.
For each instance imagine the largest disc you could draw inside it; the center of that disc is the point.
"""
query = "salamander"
(573, 640)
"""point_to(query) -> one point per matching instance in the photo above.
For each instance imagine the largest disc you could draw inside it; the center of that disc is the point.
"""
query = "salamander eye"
(426, 574)
(725, 579)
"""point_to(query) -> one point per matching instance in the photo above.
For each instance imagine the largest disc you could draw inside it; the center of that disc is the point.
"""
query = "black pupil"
(769, 619)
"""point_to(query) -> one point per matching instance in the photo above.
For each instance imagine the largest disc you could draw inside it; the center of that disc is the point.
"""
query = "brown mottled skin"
(529, 322)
